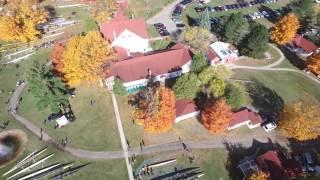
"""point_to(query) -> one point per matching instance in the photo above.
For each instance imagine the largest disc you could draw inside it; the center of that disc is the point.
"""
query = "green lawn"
(152, 31)
(161, 44)
(97, 169)
(289, 85)
(146, 8)
(211, 162)
(80, 14)
(95, 125)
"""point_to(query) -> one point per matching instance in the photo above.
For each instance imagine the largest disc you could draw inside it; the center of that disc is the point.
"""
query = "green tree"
(206, 75)
(186, 86)
(118, 87)
(221, 72)
(199, 62)
(235, 28)
(48, 89)
(236, 95)
(217, 87)
(205, 21)
(257, 42)
(197, 38)
(305, 10)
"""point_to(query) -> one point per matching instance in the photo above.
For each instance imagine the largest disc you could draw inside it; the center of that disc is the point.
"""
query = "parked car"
(180, 26)
(269, 126)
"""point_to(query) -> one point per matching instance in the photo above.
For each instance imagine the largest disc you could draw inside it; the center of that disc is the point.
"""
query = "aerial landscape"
(160, 89)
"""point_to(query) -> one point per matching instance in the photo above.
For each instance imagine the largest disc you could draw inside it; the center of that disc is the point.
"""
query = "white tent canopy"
(62, 121)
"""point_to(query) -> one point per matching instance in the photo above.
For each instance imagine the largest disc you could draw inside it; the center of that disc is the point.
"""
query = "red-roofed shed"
(245, 117)
(303, 46)
(185, 109)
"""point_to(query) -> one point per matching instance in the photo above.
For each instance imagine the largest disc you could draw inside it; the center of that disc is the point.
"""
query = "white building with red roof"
(127, 36)
(136, 71)
(186, 109)
(245, 117)
(302, 46)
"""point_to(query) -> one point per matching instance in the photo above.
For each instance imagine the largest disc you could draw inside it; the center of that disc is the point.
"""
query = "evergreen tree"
(186, 86)
(235, 28)
(256, 43)
(305, 10)
(118, 87)
(49, 90)
(199, 62)
(205, 21)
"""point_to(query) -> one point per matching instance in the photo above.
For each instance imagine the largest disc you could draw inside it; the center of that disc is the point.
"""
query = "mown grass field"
(289, 85)
(146, 8)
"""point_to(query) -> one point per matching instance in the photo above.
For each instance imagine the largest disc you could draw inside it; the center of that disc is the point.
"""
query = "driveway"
(164, 17)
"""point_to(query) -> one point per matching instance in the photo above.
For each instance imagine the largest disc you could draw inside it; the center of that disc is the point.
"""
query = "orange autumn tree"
(285, 29)
(103, 10)
(19, 19)
(156, 109)
(259, 175)
(301, 120)
(56, 57)
(84, 57)
(216, 116)
(313, 63)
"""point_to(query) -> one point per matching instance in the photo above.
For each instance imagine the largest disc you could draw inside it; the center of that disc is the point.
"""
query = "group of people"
(145, 171)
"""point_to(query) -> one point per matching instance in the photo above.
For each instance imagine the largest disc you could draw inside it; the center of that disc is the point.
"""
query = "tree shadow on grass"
(293, 58)
(264, 98)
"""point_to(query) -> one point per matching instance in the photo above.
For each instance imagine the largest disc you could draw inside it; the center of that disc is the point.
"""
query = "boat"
(31, 166)
(68, 172)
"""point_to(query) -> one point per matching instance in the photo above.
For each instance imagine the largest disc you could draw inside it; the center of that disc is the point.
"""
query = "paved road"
(122, 136)
(164, 16)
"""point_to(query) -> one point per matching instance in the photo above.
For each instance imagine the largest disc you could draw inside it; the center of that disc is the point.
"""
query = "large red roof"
(115, 27)
(159, 63)
(271, 162)
(245, 115)
(185, 106)
(305, 44)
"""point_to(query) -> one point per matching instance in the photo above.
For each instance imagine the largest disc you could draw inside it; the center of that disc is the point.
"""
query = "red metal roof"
(270, 162)
(305, 44)
(112, 29)
(185, 106)
(211, 54)
(159, 63)
(245, 115)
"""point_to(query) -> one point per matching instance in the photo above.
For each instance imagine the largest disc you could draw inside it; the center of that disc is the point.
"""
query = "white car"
(269, 126)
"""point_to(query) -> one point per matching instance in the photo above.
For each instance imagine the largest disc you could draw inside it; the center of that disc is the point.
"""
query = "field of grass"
(160, 44)
(289, 85)
(210, 162)
(95, 125)
(79, 13)
(152, 31)
(146, 8)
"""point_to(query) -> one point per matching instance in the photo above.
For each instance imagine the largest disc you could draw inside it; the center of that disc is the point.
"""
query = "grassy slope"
(95, 126)
(146, 8)
(290, 86)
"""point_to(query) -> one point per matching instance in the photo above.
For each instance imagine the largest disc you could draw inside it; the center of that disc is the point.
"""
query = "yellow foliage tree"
(259, 175)
(285, 29)
(197, 38)
(313, 63)
(84, 57)
(103, 10)
(301, 120)
(20, 19)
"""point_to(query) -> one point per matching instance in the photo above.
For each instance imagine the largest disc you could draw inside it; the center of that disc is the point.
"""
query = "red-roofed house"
(135, 72)
(245, 117)
(277, 165)
(185, 109)
(302, 46)
(274, 163)
(128, 34)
